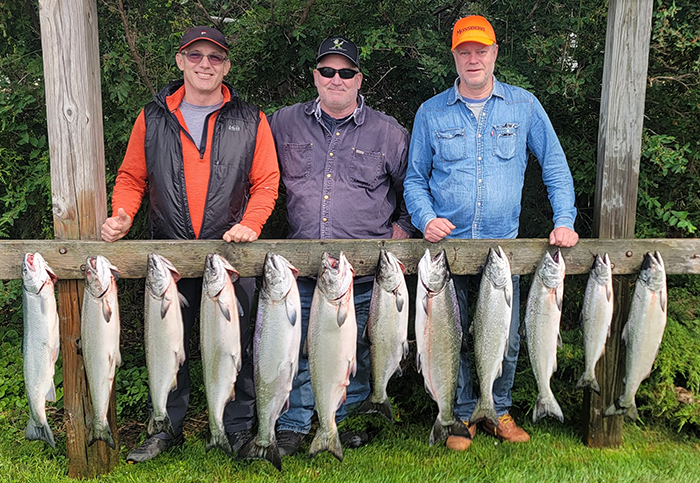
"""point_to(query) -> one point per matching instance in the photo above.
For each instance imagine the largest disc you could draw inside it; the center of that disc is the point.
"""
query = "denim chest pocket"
(296, 160)
(452, 144)
(505, 140)
(365, 168)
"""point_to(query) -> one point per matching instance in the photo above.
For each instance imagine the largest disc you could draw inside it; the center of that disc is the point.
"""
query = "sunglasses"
(330, 72)
(196, 57)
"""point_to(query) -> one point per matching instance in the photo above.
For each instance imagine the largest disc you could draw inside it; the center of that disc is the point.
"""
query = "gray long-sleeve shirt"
(342, 184)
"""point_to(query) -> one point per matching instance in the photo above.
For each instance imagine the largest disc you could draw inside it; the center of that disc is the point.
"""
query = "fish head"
(433, 272)
(653, 273)
(552, 269)
(99, 275)
(601, 271)
(335, 276)
(497, 269)
(159, 274)
(36, 273)
(278, 276)
(390, 271)
(217, 272)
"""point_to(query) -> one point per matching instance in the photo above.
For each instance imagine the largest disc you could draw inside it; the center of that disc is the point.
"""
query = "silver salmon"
(99, 341)
(332, 344)
(596, 317)
(439, 339)
(491, 328)
(387, 330)
(542, 318)
(275, 353)
(220, 342)
(643, 331)
(164, 335)
(40, 343)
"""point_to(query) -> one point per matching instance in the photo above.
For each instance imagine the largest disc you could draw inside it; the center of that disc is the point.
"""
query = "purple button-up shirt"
(342, 184)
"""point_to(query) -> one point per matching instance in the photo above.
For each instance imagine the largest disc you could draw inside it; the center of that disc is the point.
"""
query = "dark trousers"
(239, 414)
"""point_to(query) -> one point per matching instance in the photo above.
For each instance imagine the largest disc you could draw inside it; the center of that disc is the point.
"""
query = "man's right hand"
(116, 227)
(437, 229)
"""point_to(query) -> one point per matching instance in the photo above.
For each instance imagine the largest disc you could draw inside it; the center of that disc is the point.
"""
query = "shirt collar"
(454, 95)
(314, 108)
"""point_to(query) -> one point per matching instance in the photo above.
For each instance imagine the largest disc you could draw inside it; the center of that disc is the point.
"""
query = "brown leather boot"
(507, 430)
(460, 443)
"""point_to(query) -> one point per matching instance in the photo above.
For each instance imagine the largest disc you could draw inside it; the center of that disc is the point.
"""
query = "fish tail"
(218, 440)
(100, 431)
(327, 440)
(41, 432)
(588, 380)
(164, 425)
(439, 432)
(383, 408)
(252, 450)
(547, 406)
(617, 409)
(484, 410)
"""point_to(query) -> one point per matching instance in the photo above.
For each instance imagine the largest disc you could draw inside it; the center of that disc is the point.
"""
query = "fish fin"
(509, 297)
(559, 296)
(609, 332)
(291, 313)
(37, 432)
(424, 304)
(580, 319)
(352, 368)
(500, 370)
(218, 441)
(241, 312)
(484, 410)
(183, 300)
(547, 407)
(632, 411)
(404, 344)
(79, 346)
(51, 393)
(365, 332)
(438, 433)
(328, 440)
(383, 408)
(106, 310)
(158, 426)
(663, 302)
(237, 360)
(101, 432)
(398, 372)
(342, 314)
(624, 332)
(164, 306)
(305, 348)
(559, 342)
(118, 358)
(42, 305)
(399, 300)
(253, 451)
(418, 364)
(224, 309)
(608, 292)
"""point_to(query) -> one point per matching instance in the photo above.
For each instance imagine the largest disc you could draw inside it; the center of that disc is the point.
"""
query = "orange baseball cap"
(474, 28)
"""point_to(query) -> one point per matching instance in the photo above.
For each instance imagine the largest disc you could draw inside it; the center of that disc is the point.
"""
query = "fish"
(164, 336)
(332, 345)
(542, 319)
(596, 317)
(99, 341)
(40, 343)
(439, 340)
(387, 331)
(220, 344)
(276, 346)
(491, 329)
(643, 332)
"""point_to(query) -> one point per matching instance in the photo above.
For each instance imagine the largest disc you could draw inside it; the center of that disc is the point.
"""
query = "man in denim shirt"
(343, 166)
(465, 177)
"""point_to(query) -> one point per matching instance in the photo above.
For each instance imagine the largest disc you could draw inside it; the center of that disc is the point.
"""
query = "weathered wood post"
(70, 45)
(619, 147)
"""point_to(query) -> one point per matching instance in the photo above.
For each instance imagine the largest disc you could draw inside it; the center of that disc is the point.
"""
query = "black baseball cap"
(203, 33)
(339, 46)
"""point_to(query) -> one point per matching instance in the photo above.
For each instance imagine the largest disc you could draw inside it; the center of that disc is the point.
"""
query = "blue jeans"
(465, 399)
(301, 399)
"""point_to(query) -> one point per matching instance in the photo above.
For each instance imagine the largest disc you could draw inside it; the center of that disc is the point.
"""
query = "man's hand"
(563, 237)
(116, 227)
(398, 233)
(437, 229)
(240, 233)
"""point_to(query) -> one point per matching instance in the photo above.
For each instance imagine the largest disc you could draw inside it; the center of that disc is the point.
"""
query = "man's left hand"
(563, 237)
(240, 233)
(398, 233)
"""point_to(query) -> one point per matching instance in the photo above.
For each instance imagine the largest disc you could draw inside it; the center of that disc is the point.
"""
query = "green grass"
(401, 454)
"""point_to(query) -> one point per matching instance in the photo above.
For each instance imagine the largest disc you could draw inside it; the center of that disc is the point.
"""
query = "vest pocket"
(505, 140)
(296, 160)
(365, 168)
(452, 144)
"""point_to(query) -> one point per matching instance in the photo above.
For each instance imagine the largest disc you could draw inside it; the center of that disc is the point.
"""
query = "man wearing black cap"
(343, 166)
(208, 161)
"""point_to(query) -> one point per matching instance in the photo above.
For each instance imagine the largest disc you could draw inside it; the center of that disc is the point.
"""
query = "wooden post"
(619, 147)
(70, 45)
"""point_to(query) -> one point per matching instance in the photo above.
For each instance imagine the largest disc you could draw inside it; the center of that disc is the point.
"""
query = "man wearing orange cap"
(466, 168)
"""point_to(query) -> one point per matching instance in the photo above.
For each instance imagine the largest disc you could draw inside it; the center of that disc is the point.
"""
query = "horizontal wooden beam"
(67, 257)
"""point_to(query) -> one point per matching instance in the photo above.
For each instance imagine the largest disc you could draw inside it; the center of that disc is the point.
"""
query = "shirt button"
(479, 158)
(325, 197)
(330, 154)
(328, 175)
(325, 220)
(478, 135)
(337, 134)
(480, 181)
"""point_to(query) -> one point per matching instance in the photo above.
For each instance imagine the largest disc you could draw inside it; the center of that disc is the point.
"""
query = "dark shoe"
(506, 430)
(354, 439)
(152, 447)
(238, 438)
(289, 442)
(460, 443)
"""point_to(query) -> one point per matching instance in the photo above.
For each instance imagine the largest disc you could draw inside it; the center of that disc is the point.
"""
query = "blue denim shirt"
(472, 171)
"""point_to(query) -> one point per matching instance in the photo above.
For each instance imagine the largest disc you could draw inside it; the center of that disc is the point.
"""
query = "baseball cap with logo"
(340, 46)
(474, 28)
(203, 33)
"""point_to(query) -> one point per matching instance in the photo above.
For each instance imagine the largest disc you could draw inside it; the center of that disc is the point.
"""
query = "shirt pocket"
(365, 168)
(505, 140)
(296, 160)
(452, 144)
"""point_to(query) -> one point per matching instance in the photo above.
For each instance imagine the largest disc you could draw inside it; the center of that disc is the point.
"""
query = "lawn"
(555, 454)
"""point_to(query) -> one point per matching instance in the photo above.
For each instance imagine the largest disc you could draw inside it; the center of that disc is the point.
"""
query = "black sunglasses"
(196, 57)
(330, 72)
